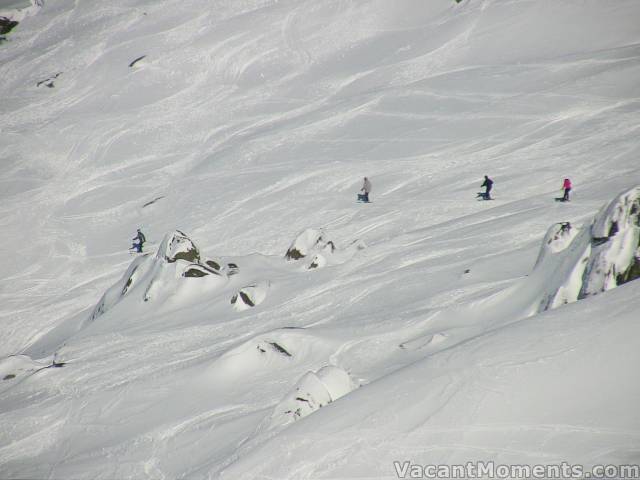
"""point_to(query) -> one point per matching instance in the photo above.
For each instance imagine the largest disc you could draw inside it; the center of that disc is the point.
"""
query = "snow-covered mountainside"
(273, 326)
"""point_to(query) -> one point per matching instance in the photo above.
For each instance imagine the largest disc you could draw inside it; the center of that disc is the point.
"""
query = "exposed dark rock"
(6, 25)
(200, 270)
(195, 271)
(280, 349)
(633, 273)
(213, 264)
(48, 82)
(129, 282)
(250, 295)
(246, 299)
(232, 269)
(275, 346)
(190, 256)
(136, 60)
(294, 254)
(183, 247)
(9, 376)
(152, 201)
(595, 241)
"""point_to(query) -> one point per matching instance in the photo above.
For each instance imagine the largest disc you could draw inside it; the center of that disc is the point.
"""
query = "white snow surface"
(456, 335)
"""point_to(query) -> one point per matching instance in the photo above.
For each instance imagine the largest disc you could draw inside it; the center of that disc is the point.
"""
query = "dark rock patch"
(280, 349)
(136, 60)
(275, 346)
(195, 271)
(213, 264)
(48, 82)
(246, 299)
(129, 282)
(6, 25)
(186, 249)
(152, 201)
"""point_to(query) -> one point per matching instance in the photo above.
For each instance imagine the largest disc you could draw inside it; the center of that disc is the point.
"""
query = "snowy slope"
(245, 124)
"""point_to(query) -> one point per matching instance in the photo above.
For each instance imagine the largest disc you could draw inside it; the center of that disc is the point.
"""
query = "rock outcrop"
(176, 271)
(250, 296)
(313, 249)
(313, 391)
(6, 25)
(579, 262)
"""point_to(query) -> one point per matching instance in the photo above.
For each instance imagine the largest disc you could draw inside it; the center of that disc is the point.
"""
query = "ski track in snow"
(256, 120)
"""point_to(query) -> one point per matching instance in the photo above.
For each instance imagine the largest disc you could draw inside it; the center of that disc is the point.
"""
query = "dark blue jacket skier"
(488, 183)
(140, 241)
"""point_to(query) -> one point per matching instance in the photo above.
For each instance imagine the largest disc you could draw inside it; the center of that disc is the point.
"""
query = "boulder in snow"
(577, 262)
(250, 296)
(313, 391)
(174, 273)
(315, 250)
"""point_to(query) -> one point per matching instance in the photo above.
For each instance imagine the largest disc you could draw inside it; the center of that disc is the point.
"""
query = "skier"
(488, 183)
(366, 188)
(140, 241)
(566, 185)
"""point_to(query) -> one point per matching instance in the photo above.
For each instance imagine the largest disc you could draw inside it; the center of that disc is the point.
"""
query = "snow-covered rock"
(308, 242)
(18, 367)
(16, 11)
(615, 245)
(177, 246)
(250, 296)
(315, 250)
(275, 350)
(578, 262)
(313, 391)
(175, 273)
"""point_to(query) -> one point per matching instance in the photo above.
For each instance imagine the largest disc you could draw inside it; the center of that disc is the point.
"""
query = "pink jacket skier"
(566, 185)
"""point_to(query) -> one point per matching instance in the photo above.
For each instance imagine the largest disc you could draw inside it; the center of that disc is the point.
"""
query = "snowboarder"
(566, 185)
(488, 184)
(137, 245)
(366, 188)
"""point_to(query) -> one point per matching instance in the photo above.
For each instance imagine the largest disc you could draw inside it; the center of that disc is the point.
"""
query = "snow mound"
(274, 350)
(577, 263)
(315, 250)
(313, 391)
(175, 273)
(18, 367)
(250, 296)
